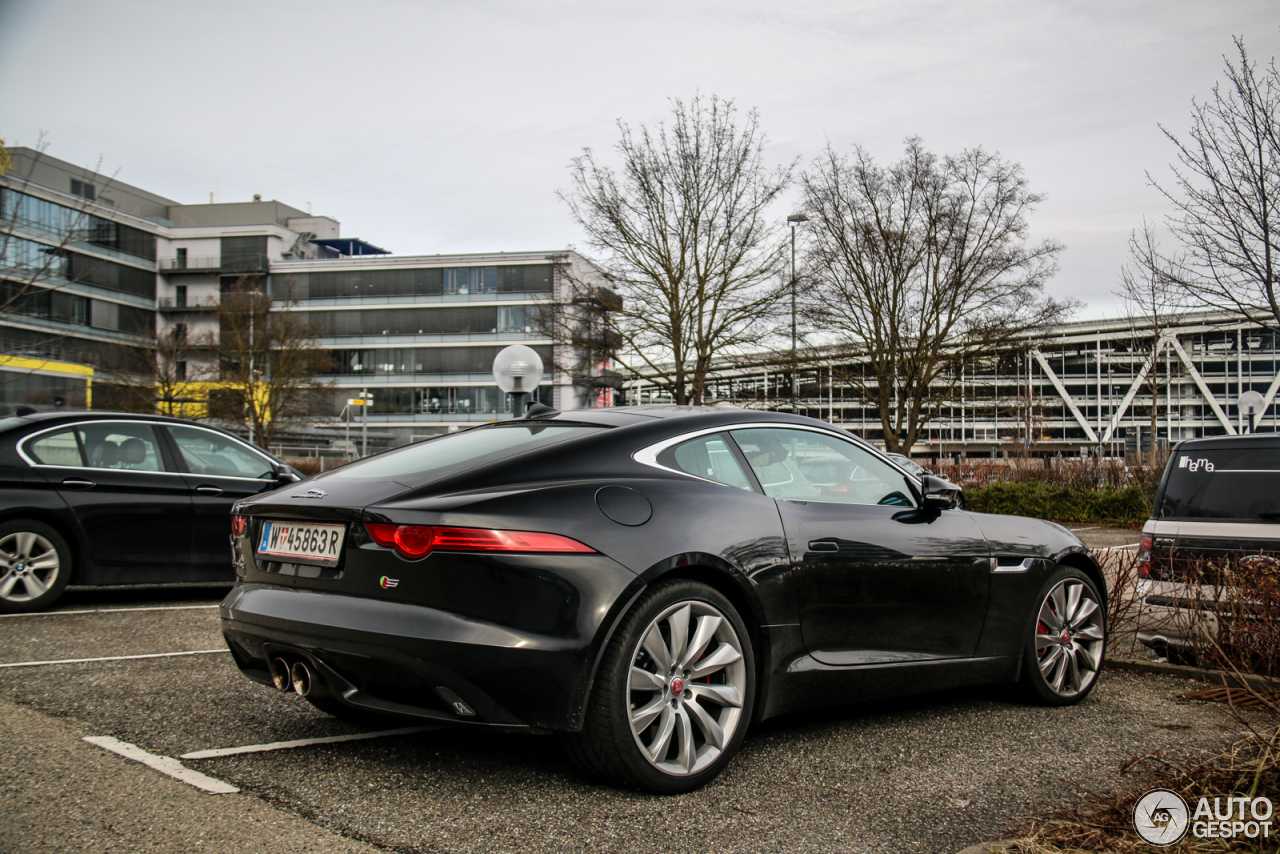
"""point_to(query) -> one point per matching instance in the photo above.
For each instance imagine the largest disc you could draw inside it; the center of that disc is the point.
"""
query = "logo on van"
(1194, 465)
(387, 583)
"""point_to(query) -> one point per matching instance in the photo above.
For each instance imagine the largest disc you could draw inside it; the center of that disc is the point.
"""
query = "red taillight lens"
(417, 541)
(1144, 556)
(239, 525)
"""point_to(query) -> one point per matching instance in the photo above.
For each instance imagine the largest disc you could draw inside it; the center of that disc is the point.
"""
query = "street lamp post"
(793, 220)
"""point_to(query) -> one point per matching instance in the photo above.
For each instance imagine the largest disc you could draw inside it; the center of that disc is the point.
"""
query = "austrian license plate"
(302, 542)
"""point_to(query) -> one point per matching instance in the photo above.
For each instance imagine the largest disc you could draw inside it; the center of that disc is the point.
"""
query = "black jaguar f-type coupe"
(648, 581)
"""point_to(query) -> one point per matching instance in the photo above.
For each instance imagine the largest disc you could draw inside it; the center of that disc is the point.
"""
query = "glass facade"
(440, 400)
(247, 254)
(422, 360)
(42, 391)
(63, 307)
(30, 256)
(437, 281)
(62, 220)
(424, 321)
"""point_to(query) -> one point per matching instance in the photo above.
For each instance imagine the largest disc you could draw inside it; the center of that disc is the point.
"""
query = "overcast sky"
(438, 127)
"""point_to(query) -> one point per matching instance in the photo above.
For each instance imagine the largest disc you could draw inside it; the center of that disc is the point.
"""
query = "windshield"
(1221, 483)
(483, 444)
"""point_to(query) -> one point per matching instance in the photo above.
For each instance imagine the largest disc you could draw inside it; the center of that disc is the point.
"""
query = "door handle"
(823, 546)
(209, 490)
(78, 483)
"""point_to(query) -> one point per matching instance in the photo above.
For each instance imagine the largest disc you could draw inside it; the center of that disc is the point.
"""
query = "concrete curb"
(1216, 677)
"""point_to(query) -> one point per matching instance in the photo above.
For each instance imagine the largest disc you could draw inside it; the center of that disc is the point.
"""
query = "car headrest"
(105, 453)
(133, 451)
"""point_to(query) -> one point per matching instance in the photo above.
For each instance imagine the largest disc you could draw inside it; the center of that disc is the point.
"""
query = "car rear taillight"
(239, 525)
(1144, 557)
(415, 541)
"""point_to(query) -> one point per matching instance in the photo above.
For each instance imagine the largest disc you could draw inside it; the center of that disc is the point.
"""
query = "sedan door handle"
(824, 546)
(78, 483)
(209, 490)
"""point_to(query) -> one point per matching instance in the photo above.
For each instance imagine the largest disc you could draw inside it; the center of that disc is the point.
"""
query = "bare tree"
(1226, 195)
(267, 361)
(681, 234)
(170, 377)
(1152, 295)
(921, 267)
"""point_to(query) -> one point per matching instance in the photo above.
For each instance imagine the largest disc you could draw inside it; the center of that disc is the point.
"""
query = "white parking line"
(110, 610)
(163, 764)
(1118, 548)
(112, 658)
(303, 742)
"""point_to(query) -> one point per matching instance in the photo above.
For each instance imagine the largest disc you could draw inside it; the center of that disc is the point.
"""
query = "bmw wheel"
(1066, 640)
(35, 564)
(674, 693)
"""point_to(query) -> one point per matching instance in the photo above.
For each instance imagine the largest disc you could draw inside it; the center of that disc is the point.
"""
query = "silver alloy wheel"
(1069, 638)
(30, 565)
(686, 688)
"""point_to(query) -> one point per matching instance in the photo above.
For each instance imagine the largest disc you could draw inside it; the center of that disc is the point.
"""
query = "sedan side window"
(206, 452)
(809, 466)
(58, 448)
(120, 445)
(707, 457)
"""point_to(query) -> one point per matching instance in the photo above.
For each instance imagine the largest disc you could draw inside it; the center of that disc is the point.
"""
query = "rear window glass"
(1234, 483)
(56, 449)
(707, 457)
(482, 444)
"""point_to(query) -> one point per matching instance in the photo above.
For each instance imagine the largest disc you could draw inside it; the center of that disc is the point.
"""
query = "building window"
(180, 371)
(104, 315)
(83, 189)
(180, 263)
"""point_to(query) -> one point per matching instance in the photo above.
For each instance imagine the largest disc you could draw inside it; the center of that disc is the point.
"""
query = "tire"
(1062, 656)
(663, 722)
(35, 565)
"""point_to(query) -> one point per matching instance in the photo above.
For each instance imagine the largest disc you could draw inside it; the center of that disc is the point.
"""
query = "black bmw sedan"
(648, 581)
(94, 498)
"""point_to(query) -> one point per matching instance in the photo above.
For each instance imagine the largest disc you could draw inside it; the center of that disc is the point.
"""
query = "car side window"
(58, 448)
(707, 457)
(121, 446)
(809, 466)
(206, 452)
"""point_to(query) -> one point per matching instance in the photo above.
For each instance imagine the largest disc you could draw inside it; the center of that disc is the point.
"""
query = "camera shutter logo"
(1161, 817)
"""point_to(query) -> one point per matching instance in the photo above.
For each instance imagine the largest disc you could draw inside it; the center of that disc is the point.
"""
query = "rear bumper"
(1176, 616)
(416, 661)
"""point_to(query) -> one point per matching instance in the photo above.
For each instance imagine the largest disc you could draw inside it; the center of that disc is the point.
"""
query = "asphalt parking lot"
(930, 774)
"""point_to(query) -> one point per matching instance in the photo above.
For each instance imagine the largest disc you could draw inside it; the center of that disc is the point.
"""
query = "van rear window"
(1221, 483)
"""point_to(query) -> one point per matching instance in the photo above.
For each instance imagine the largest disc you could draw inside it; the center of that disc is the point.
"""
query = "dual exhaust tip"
(298, 676)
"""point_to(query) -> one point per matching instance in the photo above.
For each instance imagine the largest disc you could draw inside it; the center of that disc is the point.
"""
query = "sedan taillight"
(415, 541)
(239, 525)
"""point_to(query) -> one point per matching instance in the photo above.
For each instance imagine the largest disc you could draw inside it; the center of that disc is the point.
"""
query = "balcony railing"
(183, 304)
(186, 264)
(249, 262)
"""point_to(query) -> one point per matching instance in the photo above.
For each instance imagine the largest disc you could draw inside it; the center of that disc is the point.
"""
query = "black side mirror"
(284, 474)
(938, 494)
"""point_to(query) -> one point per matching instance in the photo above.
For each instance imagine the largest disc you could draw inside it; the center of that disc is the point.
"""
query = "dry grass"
(1245, 601)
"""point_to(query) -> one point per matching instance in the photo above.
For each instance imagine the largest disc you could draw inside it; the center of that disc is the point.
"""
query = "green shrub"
(1128, 506)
